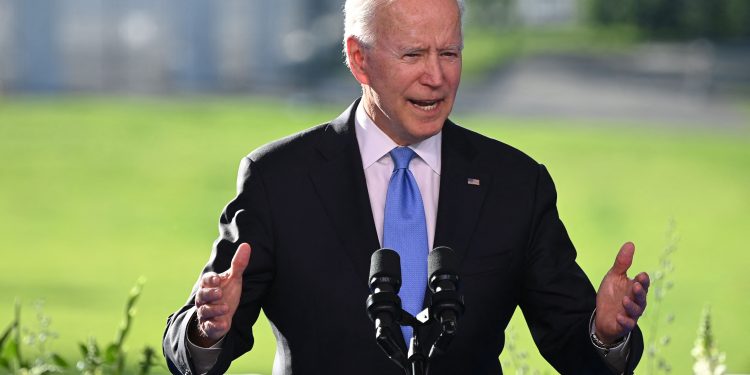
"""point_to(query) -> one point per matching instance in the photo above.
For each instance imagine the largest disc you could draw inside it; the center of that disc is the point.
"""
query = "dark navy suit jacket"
(302, 204)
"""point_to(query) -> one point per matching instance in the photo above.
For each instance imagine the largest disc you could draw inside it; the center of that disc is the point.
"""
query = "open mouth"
(425, 105)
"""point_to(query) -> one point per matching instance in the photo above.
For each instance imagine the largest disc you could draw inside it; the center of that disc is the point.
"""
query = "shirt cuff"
(615, 357)
(203, 358)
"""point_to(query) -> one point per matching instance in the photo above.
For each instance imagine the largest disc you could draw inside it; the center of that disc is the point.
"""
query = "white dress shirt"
(375, 147)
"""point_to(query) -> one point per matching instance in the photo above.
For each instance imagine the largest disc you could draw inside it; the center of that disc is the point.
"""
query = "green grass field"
(97, 192)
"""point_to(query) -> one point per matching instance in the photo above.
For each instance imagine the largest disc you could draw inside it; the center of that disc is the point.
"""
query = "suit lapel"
(340, 183)
(463, 186)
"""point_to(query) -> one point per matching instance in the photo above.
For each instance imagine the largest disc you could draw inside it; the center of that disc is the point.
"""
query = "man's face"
(411, 72)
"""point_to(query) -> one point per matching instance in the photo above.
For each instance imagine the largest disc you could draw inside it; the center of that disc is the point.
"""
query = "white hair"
(358, 16)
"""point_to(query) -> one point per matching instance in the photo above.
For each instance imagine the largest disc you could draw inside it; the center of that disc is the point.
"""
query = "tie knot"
(401, 157)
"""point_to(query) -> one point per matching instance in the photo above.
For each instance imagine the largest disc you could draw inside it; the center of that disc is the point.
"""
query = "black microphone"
(447, 302)
(384, 304)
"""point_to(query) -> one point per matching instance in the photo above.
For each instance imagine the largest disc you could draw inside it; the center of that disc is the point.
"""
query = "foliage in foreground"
(708, 359)
(661, 283)
(96, 359)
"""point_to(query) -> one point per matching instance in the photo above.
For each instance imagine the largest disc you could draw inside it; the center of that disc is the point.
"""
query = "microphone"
(447, 302)
(384, 304)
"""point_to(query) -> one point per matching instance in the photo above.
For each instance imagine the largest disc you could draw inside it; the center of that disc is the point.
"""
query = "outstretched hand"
(620, 300)
(217, 299)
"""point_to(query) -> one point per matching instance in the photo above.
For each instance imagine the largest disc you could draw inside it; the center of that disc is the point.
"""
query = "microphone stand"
(416, 358)
(415, 361)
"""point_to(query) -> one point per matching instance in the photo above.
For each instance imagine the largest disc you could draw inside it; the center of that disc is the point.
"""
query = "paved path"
(683, 86)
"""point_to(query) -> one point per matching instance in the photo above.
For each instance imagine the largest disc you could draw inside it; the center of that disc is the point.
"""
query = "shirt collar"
(374, 144)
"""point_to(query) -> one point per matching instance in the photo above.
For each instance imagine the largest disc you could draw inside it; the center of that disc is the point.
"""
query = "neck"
(376, 114)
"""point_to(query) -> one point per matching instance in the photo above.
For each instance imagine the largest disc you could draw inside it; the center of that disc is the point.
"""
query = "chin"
(427, 130)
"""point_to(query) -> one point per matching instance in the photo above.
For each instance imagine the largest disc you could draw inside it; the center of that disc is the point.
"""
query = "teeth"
(425, 105)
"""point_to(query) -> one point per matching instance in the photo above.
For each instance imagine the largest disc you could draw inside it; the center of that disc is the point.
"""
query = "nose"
(433, 74)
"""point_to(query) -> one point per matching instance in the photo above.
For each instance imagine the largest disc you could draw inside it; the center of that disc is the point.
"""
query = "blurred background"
(122, 124)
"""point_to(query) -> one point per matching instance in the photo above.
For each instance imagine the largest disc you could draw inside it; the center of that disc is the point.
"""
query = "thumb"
(624, 259)
(241, 259)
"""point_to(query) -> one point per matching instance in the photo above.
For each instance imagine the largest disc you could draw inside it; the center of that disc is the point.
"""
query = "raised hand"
(620, 300)
(217, 299)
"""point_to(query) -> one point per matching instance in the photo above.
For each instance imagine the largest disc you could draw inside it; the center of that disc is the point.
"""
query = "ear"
(355, 52)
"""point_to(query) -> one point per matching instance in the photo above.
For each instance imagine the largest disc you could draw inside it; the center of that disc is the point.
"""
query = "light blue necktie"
(405, 231)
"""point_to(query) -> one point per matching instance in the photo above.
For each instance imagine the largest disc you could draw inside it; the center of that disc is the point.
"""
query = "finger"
(241, 259)
(214, 328)
(633, 309)
(207, 312)
(639, 295)
(627, 324)
(643, 279)
(624, 259)
(210, 280)
(207, 295)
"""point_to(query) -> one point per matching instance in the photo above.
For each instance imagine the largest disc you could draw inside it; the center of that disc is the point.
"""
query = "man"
(313, 207)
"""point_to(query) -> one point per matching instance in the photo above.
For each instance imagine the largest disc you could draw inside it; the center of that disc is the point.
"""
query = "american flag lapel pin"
(473, 181)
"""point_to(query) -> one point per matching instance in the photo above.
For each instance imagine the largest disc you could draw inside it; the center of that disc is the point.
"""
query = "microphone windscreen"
(442, 260)
(385, 263)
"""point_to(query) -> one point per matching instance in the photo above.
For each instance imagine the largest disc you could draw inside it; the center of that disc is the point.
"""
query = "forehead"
(419, 21)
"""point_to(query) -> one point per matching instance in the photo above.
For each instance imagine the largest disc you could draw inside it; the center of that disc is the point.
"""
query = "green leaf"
(60, 361)
(6, 333)
(11, 349)
(148, 360)
(4, 363)
(84, 349)
(111, 354)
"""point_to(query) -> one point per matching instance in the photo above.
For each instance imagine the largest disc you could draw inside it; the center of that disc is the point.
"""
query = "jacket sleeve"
(558, 299)
(245, 219)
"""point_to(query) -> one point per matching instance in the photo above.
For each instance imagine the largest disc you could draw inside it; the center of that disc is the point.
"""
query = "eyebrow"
(452, 47)
(407, 50)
